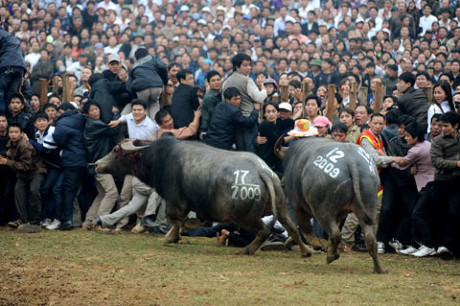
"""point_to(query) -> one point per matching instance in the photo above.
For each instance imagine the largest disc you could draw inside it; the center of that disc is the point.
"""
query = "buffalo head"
(123, 159)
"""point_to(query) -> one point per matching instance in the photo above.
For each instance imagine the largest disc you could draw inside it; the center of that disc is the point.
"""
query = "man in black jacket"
(99, 140)
(227, 117)
(100, 94)
(147, 78)
(184, 100)
(117, 86)
(12, 68)
(412, 102)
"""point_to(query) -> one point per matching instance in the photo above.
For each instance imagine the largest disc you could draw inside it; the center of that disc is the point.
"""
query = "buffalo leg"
(284, 219)
(332, 229)
(371, 245)
(176, 217)
(262, 234)
(303, 220)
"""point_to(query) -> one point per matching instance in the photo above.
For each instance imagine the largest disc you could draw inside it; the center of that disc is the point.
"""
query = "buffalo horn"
(130, 147)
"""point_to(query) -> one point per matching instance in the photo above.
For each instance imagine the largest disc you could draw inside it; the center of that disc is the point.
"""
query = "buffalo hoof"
(170, 240)
(305, 255)
(245, 251)
(380, 271)
(332, 258)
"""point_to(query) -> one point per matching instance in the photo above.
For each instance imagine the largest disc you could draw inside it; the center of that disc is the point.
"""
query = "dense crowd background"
(77, 77)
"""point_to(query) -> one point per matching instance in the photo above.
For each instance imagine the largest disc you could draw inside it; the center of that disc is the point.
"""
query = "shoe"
(46, 223)
(396, 245)
(444, 253)
(97, 222)
(86, 226)
(101, 229)
(273, 246)
(147, 222)
(380, 247)
(423, 251)
(65, 226)
(408, 251)
(117, 230)
(54, 226)
(29, 228)
(15, 224)
(138, 229)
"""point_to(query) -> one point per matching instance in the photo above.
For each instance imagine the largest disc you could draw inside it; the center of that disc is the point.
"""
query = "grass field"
(88, 268)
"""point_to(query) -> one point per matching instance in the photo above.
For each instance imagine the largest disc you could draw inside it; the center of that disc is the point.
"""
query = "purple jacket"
(419, 155)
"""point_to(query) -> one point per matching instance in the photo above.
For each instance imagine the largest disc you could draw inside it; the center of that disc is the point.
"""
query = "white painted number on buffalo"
(327, 164)
(369, 160)
(242, 190)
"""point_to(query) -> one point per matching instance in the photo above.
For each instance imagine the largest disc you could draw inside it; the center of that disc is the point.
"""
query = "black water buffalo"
(325, 179)
(218, 185)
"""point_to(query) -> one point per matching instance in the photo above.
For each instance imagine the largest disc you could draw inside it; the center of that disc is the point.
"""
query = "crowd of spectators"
(77, 77)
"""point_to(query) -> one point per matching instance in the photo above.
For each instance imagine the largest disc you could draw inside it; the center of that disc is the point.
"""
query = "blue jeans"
(71, 180)
(51, 192)
(10, 78)
(246, 138)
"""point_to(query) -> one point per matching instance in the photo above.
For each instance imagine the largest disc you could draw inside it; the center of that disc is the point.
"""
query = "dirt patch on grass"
(86, 268)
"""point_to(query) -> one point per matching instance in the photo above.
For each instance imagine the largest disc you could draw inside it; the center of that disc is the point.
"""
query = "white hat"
(285, 106)
(184, 8)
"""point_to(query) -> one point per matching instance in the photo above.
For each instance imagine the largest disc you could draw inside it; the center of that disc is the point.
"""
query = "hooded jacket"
(69, 136)
(148, 72)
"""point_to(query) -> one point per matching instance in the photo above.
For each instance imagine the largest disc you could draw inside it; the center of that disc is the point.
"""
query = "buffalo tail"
(353, 167)
(271, 190)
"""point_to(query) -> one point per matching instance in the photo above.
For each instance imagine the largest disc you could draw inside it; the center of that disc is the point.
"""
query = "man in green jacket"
(445, 155)
(210, 100)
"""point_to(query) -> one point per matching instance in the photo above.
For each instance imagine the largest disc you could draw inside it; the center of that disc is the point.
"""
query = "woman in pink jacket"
(418, 156)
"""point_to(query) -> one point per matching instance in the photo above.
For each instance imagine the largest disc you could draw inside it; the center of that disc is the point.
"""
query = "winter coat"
(225, 120)
(100, 93)
(10, 51)
(99, 139)
(210, 100)
(43, 70)
(148, 72)
(184, 103)
(23, 159)
(69, 136)
(26, 121)
(118, 89)
(445, 153)
(413, 102)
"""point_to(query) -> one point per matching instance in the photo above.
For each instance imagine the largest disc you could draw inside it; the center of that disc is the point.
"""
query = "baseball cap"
(322, 121)
(114, 58)
(285, 106)
(99, 46)
(83, 54)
